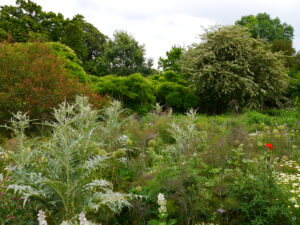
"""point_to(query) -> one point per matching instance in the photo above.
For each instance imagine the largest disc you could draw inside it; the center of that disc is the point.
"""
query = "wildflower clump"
(163, 215)
(42, 218)
(162, 204)
(82, 219)
(288, 176)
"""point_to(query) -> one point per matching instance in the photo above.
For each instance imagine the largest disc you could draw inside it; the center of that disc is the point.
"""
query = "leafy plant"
(231, 66)
(59, 173)
(34, 80)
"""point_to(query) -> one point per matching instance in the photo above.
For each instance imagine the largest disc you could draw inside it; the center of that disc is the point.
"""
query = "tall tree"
(263, 26)
(123, 56)
(231, 66)
(172, 61)
(27, 22)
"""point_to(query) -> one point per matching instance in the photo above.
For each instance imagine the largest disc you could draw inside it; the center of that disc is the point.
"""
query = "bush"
(173, 77)
(72, 63)
(34, 80)
(177, 96)
(134, 91)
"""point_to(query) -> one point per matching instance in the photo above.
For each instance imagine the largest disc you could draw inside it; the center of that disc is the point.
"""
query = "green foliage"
(134, 91)
(286, 46)
(73, 36)
(261, 200)
(262, 26)
(172, 62)
(11, 205)
(212, 169)
(20, 20)
(70, 59)
(177, 96)
(230, 66)
(293, 90)
(28, 22)
(174, 77)
(123, 56)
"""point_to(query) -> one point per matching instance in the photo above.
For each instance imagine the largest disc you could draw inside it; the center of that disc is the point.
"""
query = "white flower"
(42, 218)
(293, 200)
(82, 219)
(162, 204)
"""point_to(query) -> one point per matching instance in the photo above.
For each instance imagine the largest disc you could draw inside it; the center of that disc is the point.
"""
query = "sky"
(160, 24)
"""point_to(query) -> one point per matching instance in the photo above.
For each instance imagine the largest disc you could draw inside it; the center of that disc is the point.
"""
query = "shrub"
(70, 59)
(177, 96)
(173, 77)
(34, 80)
(134, 91)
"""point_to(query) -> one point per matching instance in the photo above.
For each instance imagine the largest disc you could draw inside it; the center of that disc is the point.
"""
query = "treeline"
(46, 58)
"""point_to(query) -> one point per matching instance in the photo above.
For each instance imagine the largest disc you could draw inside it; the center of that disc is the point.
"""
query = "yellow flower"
(138, 188)
(128, 143)
(43, 159)
(6, 156)
(152, 143)
(259, 144)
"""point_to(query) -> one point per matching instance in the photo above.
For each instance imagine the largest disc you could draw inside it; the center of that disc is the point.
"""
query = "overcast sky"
(159, 24)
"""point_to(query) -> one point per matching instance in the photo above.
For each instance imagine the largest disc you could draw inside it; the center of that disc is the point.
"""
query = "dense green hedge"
(135, 91)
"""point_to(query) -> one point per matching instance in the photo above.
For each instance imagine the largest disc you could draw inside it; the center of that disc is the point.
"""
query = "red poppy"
(268, 145)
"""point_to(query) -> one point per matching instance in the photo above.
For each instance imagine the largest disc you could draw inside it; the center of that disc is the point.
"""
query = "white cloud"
(159, 24)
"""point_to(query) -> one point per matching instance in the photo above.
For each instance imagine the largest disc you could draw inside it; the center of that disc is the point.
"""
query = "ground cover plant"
(117, 168)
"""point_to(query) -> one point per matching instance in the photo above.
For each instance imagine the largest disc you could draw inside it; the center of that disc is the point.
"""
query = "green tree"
(28, 22)
(285, 46)
(268, 29)
(172, 60)
(123, 56)
(230, 66)
(94, 41)
(73, 36)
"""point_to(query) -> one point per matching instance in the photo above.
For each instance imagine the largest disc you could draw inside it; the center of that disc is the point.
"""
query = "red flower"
(268, 145)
